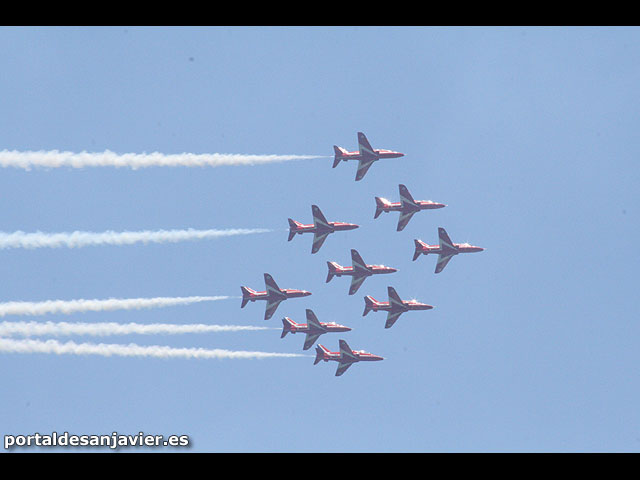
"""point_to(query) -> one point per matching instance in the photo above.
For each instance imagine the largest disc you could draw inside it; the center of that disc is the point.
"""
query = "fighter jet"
(273, 295)
(313, 328)
(395, 306)
(358, 272)
(445, 250)
(407, 206)
(345, 357)
(365, 155)
(321, 228)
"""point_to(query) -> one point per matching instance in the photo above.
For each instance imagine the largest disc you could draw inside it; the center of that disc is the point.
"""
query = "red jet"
(407, 206)
(366, 155)
(313, 328)
(395, 306)
(321, 228)
(345, 357)
(359, 271)
(273, 295)
(445, 250)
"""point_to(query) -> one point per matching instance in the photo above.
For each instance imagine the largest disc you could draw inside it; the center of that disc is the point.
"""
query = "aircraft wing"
(363, 166)
(391, 319)
(312, 321)
(319, 219)
(318, 240)
(403, 220)
(394, 298)
(445, 241)
(310, 339)
(358, 262)
(405, 197)
(342, 367)
(271, 307)
(442, 262)
(272, 286)
(356, 281)
(345, 351)
(364, 147)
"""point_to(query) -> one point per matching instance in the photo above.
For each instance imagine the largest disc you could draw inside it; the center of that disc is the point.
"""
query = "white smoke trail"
(35, 329)
(82, 239)
(82, 305)
(8, 345)
(56, 159)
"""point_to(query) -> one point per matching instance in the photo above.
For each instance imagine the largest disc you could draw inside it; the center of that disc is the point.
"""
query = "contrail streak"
(34, 329)
(56, 159)
(8, 345)
(78, 239)
(82, 305)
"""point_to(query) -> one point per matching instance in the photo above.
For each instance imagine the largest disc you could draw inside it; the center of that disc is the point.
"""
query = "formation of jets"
(359, 270)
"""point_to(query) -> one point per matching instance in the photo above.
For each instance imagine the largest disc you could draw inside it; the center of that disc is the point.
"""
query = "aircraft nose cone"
(306, 294)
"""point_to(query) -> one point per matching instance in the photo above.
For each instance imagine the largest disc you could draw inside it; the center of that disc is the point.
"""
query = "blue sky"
(529, 135)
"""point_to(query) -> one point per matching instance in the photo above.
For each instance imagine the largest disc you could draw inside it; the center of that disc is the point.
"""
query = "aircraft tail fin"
(293, 225)
(380, 204)
(369, 301)
(320, 351)
(339, 153)
(246, 295)
(333, 267)
(287, 323)
(418, 249)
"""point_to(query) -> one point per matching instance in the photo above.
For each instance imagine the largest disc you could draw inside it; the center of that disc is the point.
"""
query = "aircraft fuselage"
(333, 227)
(285, 293)
(426, 249)
(406, 208)
(378, 153)
(407, 305)
(371, 270)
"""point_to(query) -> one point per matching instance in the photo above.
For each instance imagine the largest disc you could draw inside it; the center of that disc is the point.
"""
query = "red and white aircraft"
(345, 357)
(358, 272)
(273, 295)
(313, 328)
(366, 155)
(407, 206)
(395, 306)
(445, 250)
(321, 228)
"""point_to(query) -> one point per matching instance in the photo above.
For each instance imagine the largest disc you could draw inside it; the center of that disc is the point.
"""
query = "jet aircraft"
(395, 306)
(313, 328)
(358, 272)
(273, 295)
(321, 228)
(445, 250)
(365, 155)
(407, 206)
(345, 357)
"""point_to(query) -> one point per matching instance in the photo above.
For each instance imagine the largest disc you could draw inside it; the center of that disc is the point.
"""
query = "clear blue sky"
(529, 135)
